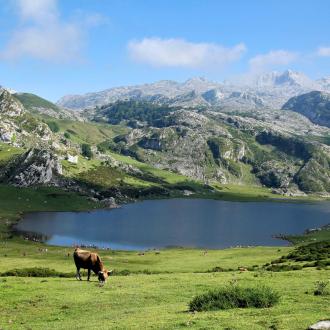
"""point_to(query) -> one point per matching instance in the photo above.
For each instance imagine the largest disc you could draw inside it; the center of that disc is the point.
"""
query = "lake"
(178, 222)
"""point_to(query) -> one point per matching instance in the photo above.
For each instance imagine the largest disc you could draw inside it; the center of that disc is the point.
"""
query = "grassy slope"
(7, 152)
(31, 100)
(14, 201)
(85, 132)
(223, 191)
(316, 236)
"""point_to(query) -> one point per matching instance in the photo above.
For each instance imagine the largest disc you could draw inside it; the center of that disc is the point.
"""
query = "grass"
(14, 201)
(154, 302)
(30, 101)
(7, 152)
(86, 132)
(84, 165)
(167, 176)
(315, 236)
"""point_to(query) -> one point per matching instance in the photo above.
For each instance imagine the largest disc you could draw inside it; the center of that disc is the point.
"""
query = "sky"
(58, 47)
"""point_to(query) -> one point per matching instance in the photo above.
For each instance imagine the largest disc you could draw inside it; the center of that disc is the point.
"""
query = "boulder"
(321, 325)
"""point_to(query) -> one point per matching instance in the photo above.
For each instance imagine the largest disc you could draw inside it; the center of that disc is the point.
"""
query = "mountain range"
(270, 90)
(168, 138)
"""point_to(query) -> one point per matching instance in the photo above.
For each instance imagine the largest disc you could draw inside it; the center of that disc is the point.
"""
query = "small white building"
(72, 159)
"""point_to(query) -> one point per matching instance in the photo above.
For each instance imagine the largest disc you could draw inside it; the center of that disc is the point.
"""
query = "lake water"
(178, 222)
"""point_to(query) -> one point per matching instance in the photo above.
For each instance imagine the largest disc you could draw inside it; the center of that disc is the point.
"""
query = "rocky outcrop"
(212, 146)
(18, 127)
(314, 105)
(35, 167)
(9, 106)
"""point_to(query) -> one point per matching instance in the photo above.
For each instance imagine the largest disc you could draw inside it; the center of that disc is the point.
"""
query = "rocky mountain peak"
(280, 79)
(324, 83)
(292, 78)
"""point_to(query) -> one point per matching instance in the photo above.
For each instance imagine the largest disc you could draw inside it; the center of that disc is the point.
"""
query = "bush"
(53, 126)
(321, 288)
(35, 272)
(235, 297)
(216, 269)
(283, 268)
(86, 150)
(67, 135)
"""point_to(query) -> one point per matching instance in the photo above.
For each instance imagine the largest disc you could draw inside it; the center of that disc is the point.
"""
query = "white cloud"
(323, 51)
(43, 35)
(55, 43)
(181, 53)
(273, 59)
(38, 10)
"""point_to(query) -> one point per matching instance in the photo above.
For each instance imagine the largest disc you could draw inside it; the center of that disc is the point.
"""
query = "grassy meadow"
(152, 301)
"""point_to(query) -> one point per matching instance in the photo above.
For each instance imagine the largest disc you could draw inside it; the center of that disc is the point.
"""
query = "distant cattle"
(90, 261)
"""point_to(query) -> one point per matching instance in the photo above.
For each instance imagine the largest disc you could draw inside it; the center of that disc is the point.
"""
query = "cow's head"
(103, 275)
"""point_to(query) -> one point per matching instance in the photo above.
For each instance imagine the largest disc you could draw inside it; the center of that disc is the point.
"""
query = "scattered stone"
(187, 193)
(110, 202)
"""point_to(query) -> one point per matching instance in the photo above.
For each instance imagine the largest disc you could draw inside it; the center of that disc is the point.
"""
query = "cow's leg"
(78, 276)
(88, 274)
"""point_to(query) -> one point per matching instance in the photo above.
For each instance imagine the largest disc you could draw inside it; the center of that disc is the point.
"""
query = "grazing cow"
(90, 261)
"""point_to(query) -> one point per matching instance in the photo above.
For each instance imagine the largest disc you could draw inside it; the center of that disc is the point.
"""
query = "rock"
(34, 167)
(321, 325)
(9, 106)
(110, 203)
(314, 105)
(7, 136)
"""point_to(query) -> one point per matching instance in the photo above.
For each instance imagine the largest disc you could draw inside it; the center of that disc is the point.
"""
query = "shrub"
(35, 272)
(216, 269)
(283, 268)
(53, 126)
(86, 150)
(234, 297)
(321, 288)
(67, 135)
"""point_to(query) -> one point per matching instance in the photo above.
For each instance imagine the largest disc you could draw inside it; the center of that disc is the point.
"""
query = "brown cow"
(90, 261)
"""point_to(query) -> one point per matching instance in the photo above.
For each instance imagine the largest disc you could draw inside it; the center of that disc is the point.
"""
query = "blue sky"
(58, 47)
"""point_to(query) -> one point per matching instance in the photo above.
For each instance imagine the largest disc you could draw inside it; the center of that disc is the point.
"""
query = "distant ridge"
(270, 90)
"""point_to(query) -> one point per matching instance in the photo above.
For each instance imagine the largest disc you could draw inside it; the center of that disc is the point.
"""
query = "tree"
(86, 150)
